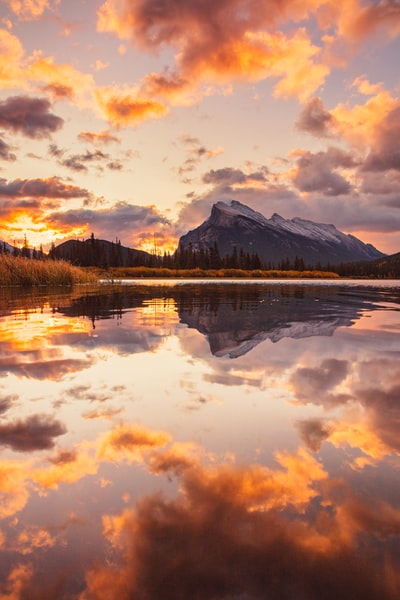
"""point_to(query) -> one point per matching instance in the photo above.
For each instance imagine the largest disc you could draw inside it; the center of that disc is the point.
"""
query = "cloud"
(171, 86)
(194, 147)
(11, 54)
(31, 9)
(53, 370)
(383, 410)
(238, 531)
(103, 137)
(385, 152)
(361, 20)
(78, 162)
(32, 198)
(103, 413)
(59, 91)
(315, 119)
(38, 72)
(32, 538)
(67, 466)
(130, 442)
(370, 129)
(378, 184)
(18, 582)
(29, 116)
(226, 176)
(34, 433)
(53, 187)
(196, 152)
(13, 491)
(311, 384)
(114, 165)
(5, 152)
(6, 403)
(61, 81)
(315, 172)
(64, 457)
(313, 432)
(219, 43)
(118, 220)
(360, 124)
(370, 415)
(125, 108)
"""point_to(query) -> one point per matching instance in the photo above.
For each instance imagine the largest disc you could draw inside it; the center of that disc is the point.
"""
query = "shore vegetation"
(197, 273)
(25, 272)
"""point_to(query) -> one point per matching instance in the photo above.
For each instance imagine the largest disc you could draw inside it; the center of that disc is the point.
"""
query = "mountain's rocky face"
(275, 239)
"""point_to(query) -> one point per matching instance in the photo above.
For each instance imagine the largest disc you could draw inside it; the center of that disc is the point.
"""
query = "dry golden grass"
(15, 270)
(138, 272)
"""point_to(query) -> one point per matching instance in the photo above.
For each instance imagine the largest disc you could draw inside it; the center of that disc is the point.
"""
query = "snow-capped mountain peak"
(235, 225)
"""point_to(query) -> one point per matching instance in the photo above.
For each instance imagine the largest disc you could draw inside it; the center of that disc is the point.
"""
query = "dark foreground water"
(201, 441)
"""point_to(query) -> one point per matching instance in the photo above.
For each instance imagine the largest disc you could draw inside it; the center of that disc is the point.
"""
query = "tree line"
(104, 254)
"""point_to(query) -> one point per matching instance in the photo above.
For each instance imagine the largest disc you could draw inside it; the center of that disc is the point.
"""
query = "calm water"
(201, 441)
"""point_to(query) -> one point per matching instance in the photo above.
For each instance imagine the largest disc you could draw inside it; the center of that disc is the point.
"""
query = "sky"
(129, 119)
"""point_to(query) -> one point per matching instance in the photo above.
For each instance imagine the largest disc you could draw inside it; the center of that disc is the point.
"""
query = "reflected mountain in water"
(241, 319)
(237, 317)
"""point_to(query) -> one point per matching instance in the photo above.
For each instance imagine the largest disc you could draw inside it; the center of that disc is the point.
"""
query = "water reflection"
(200, 441)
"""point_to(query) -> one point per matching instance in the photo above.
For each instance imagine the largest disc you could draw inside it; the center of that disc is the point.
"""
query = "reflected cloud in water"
(200, 441)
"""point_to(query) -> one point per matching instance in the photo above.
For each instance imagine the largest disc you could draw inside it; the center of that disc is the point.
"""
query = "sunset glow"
(127, 121)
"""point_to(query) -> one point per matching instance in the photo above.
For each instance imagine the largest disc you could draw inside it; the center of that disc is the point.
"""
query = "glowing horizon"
(130, 122)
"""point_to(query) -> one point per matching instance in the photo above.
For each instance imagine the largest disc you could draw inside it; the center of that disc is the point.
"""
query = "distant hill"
(236, 226)
(385, 267)
(100, 253)
(5, 247)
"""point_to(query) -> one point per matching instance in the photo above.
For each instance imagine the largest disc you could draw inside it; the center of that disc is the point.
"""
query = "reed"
(21, 271)
(150, 272)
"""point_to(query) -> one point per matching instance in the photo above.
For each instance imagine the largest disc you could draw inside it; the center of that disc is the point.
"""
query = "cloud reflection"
(231, 530)
(248, 531)
(36, 432)
(161, 517)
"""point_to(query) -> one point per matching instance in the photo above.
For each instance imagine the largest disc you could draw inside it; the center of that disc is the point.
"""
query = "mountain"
(240, 318)
(234, 225)
(100, 253)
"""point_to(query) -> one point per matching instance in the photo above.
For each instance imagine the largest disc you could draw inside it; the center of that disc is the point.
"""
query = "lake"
(196, 440)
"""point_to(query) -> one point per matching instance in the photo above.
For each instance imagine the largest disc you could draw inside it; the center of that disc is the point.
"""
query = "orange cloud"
(31, 9)
(360, 124)
(11, 54)
(57, 77)
(229, 534)
(18, 582)
(80, 463)
(371, 129)
(128, 108)
(33, 538)
(13, 491)
(218, 45)
(129, 442)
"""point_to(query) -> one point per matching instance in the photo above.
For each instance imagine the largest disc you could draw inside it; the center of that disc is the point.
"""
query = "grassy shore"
(143, 272)
(20, 271)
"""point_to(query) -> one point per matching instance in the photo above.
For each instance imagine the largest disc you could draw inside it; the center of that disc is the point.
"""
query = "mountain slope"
(275, 239)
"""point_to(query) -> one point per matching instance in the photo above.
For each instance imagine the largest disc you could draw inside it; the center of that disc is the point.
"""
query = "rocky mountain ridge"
(235, 225)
